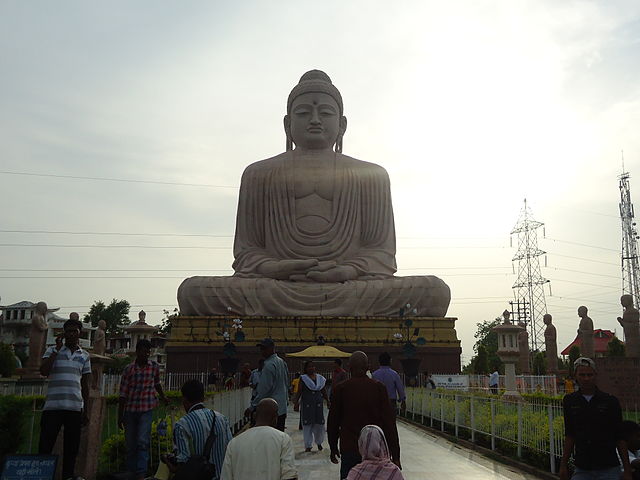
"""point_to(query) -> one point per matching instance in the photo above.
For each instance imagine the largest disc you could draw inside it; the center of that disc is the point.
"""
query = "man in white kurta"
(262, 451)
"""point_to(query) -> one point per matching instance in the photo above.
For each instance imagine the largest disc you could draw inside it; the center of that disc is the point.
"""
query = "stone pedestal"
(196, 343)
(511, 391)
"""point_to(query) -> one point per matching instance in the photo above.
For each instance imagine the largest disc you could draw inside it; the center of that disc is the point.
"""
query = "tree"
(481, 361)
(539, 364)
(486, 346)
(574, 354)
(615, 348)
(116, 315)
(165, 326)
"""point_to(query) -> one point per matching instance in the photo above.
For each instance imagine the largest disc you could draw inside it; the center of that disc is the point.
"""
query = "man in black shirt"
(592, 420)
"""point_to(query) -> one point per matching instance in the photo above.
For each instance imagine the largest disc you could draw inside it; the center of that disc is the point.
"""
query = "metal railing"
(534, 425)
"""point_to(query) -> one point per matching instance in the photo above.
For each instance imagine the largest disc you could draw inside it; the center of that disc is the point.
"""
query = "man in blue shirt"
(273, 383)
(391, 380)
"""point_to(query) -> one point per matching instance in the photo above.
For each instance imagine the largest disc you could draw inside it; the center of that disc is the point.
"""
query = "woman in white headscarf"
(376, 461)
(312, 392)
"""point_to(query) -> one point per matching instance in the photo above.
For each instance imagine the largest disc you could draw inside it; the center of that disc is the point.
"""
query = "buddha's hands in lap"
(285, 269)
(329, 272)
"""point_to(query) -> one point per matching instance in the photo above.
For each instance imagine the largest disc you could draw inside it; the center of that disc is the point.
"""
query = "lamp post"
(509, 353)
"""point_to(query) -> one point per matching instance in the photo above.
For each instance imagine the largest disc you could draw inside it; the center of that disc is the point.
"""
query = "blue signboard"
(29, 467)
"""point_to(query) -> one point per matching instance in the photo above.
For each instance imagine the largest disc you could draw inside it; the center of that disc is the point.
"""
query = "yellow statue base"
(196, 343)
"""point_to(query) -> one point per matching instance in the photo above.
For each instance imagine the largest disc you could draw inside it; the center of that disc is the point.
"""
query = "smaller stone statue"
(100, 339)
(99, 345)
(523, 347)
(630, 322)
(585, 333)
(142, 315)
(37, 337)
(505, 315)
(550, 345)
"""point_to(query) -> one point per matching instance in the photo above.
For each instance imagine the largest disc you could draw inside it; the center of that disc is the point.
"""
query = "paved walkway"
(424, 456)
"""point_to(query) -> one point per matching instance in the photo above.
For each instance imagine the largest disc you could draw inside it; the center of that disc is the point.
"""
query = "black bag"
(199, 467)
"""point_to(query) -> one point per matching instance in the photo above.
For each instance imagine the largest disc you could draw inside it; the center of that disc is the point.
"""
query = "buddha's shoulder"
(265, 165)
(362, 166)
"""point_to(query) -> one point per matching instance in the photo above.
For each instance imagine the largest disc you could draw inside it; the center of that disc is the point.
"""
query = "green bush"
(14, 414)
(7, 360)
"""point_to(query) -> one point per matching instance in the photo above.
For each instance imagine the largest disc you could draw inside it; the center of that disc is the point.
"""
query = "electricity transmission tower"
(528, 291)
(630, 270)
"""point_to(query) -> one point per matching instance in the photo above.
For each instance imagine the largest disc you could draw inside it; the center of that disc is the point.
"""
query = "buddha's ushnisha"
(314, 230)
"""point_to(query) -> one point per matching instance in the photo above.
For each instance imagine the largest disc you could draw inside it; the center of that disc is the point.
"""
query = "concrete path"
(424, 456)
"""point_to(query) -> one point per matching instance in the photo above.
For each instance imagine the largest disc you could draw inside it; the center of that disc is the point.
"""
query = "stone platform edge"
(293, 330)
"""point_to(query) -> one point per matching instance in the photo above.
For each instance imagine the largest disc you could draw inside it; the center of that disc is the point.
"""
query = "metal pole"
(442, 412)
(552, 443)
(519, 429)
(493, 424)
(473, 420)
(431, 410)
(456, 415)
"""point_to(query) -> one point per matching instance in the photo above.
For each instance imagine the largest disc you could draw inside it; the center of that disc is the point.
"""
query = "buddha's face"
(314, 121)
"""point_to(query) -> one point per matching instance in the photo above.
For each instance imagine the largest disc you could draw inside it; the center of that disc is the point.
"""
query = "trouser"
(137, 435)
(311, 433)
(281, 421)
(348, 461)
(611, 473)
(494, 389)
(50, 424)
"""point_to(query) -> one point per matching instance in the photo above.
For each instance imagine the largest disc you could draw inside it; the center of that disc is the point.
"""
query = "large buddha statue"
(314, 230)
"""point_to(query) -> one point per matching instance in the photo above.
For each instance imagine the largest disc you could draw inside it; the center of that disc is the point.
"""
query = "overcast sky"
(470, 106)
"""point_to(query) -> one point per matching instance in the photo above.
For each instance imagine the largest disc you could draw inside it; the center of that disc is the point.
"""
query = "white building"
(15, 325)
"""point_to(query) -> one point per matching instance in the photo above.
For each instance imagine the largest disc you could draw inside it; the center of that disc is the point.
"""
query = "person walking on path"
(355, 403)
(190, 433)
(376, 460)
(593, 424)
(274, 382)
(138, 385)
(312, 392)
(245, 376)
(339, 373)
(392, 382)
(67, 403)
(262, 452)
(494, 380)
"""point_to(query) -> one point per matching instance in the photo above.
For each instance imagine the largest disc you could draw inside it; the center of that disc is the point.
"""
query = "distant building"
(15, 325)
(126, 342)
(601, 339)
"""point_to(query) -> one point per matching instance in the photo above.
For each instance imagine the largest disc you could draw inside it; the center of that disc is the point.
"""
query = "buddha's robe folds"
(360, 233)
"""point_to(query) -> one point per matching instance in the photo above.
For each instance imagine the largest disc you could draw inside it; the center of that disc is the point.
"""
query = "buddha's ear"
(343, 124)
(287, 130)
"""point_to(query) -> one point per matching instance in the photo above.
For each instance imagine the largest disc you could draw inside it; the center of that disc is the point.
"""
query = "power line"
(584, 283)
(127, 234)
(105, 179)
(581, 244)
(582, 258)
(59, 245)
(586, 273)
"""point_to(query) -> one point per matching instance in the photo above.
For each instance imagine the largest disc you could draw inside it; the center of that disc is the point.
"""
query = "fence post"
(455, 418)
(473, 420)
(442, 412)
(431, 410)
(519, 429)
(424, 396)
(493, 424)
(552, 443)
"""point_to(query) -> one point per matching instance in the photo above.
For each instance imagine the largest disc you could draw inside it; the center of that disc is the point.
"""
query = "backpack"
(199, 467)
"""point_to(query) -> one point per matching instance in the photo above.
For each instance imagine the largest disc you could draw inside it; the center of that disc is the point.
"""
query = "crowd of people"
(360, 426)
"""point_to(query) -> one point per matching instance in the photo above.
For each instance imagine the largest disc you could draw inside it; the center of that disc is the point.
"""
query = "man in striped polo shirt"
(138, 386)
(69, 370)
(191, 431)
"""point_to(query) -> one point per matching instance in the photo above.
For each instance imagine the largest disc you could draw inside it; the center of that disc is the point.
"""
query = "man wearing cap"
(274, 382)
(593, 421)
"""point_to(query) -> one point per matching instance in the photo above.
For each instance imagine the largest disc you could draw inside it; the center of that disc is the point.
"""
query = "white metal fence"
(534, 425)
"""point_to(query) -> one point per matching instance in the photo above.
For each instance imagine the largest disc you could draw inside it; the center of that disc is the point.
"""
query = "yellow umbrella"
(320, 351)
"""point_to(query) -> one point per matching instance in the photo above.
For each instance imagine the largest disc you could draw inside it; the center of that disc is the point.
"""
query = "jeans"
(137, 435)
(50, 424)
(348, 461)
(611, 473)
